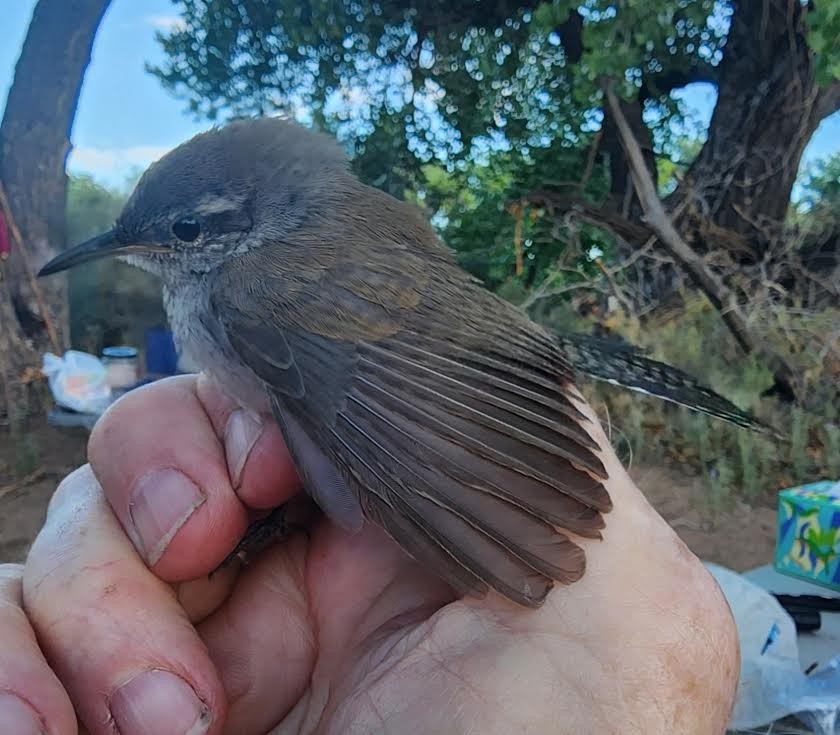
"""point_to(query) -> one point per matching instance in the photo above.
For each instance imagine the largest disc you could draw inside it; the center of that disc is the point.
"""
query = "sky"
(126, 120)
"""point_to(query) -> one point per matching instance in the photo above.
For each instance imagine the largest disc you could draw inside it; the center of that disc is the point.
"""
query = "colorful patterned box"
(808, 533)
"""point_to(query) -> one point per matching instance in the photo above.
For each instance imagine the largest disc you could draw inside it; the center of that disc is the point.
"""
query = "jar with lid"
(120, 366)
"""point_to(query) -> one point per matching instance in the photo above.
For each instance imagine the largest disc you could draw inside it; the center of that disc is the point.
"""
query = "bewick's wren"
(407, 393)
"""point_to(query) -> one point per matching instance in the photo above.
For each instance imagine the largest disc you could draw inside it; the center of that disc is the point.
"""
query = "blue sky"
(127, 120)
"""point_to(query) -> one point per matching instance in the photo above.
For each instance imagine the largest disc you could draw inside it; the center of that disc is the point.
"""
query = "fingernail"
(159, 703)
(161, 502)
(241, 433)
(18, 717)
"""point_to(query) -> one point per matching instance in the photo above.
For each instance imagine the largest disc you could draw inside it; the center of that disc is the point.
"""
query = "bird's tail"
(622, 364)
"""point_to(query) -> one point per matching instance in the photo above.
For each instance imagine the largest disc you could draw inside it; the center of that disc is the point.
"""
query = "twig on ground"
(25, 481)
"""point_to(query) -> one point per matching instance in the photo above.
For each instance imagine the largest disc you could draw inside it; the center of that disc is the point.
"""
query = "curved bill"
(97, 247)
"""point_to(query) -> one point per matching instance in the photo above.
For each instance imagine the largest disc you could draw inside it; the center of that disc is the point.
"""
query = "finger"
(111, 630)
(260, 467)
(32, 700)
(263, 639)
(160, 459)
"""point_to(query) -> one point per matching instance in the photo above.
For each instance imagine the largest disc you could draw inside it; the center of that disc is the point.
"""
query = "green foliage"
(447, 72)
(824, 39)
(502, 98)
(472, 210)
(91, 208)
(817, 209)
(672, 167)
(821, 185)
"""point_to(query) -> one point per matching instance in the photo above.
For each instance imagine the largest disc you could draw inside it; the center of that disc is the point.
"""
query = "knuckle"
(72, 488)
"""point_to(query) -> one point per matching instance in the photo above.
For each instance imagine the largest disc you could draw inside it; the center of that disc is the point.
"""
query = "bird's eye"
(186, 230)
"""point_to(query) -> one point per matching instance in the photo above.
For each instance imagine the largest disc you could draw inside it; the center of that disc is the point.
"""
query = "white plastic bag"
(78, 381)
(772, 684)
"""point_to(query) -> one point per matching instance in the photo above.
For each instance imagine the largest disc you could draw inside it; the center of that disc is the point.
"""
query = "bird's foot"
(260, 535)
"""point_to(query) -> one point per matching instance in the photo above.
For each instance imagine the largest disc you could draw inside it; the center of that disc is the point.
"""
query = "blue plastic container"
(161, 356)
(808, 534)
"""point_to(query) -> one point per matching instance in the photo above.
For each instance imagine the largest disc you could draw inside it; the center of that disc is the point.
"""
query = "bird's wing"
(455, 432)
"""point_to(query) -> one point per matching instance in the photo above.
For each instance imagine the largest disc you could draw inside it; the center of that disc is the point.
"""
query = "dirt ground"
(29, 473)
(740, 537)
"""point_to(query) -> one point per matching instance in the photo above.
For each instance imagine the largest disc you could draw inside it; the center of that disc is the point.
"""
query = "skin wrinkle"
(368, 638)
(281, 561)
(234, 661)
(319, 695)
(368, 681)
(373, 659)
(425, 644)
(28, 702)
(364, 690)
(465, 691)
(374, 708)
(381, 649)
(63, 561)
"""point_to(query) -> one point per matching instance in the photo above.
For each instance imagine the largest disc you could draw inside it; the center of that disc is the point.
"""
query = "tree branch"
(627, 230)
(656, 84)
(714, 288)
(829, 100)
(6, 209)
(571, 36)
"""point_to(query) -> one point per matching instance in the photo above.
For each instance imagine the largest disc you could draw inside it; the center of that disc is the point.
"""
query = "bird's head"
(224, 192)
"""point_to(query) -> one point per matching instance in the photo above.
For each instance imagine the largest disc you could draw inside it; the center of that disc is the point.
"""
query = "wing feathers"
(496, 447)
(475, 545)
(508, 423)
(497, 373)
(465, 446)
(470, 472)
(469, 383)
(522, 533)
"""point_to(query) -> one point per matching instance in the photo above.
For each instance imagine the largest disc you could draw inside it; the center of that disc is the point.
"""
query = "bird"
(408, 395)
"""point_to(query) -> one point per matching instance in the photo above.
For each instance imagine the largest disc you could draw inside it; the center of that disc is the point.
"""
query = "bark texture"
(34, 143)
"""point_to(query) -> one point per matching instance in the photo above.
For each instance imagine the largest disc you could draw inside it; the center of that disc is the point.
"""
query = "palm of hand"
(367, 641)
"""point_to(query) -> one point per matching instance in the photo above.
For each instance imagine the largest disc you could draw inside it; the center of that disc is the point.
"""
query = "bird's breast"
(202, 346)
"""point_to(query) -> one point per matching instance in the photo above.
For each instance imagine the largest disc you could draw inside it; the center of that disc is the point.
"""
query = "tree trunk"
(767, 110)
(735, 196)
(34, 143)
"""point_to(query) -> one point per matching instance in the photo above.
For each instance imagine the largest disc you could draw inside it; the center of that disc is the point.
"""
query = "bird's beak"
(97, 247)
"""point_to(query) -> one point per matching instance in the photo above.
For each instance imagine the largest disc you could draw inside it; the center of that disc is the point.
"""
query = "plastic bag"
(78, 381)
(772, 684)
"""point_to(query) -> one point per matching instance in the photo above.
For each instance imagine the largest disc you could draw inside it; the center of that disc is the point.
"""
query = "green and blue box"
(808, 533)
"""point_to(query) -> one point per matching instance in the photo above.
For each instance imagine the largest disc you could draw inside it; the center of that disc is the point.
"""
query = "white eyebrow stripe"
(216, 205)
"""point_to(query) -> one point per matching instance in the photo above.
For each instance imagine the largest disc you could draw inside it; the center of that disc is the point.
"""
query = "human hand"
(329, 632)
